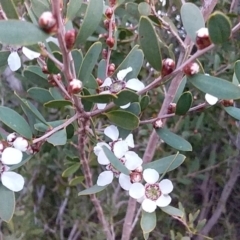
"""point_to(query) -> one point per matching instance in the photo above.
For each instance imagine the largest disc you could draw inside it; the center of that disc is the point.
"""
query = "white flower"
(131, 162)
(153, 193)
(133, 84)
(11, 137)
(11, 180)
(14, 61)
(211, 100)
(21, 144)
(118, 146)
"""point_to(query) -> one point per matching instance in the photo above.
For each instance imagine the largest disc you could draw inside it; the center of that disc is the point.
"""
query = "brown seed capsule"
(70, 38)
(109, 12)
(99, 81)
(202, 38)
(48, 22)
(111, 69)
(171, 108)
(75, 86)
(158, 124)
(110, 42)
(191, 69)
(168, 66)
(112, 3)
(45, 70)
(227, 103)
(104, 53)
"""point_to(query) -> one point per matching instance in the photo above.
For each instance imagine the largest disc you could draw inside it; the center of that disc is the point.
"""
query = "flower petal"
(166, 186)
(150, 175)
(14, 61)
(101, 106)
(125, 106)
(120, 148)
(107, 82)
(164, 200)
(133, 161)
(112, 132)
(11, 156)
(105, 178)
(135, 84)
(211, 100)
(125, 182)
(102, 158)
(149, 205)
(129, 140)
(21, 144)
(123, 73)
(12, 181)
(137, 190)
(30, 54)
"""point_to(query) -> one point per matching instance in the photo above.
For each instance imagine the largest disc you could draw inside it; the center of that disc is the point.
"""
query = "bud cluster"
(168, 66)
(191, 69)
(109, 24)
(48, 22)
(74, 86)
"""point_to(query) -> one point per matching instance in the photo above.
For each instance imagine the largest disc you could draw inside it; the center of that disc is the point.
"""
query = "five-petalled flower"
(153, 193)
(119, 84)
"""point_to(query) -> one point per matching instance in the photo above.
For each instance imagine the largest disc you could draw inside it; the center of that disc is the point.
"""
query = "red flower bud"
(99, 81)
(112, 3)
(171, 108)
(109, 12)
(191, 69)
(70, 38)
(48, 22)
(75, 86)
(158, 124)
(104, 53)
(202, 38)
(111, 69)
(168, 66)
(110, 42)
(227, 103)
(45, 70)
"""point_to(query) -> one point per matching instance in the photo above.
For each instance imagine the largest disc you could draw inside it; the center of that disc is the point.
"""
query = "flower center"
(110, 167)
(152, 191)
(117, 86)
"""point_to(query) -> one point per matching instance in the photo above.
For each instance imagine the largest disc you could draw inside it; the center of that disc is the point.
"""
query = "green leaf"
(15, 121)
(236, 69)
(126, 96)
(3, 58)
(134, 108)
(180, 89)
(40, 6)
(190, 11)
(9, 9)
(86, 104)
(148, 221)
(166, 164)
(73, 7)
(7, 203)
(89, 62)
(40, 94)
(102, 69)
(100, 98)
(117, 164)
(58, 104)
(233, 111)
(92, 190)
(58, 138)
(77, 58)
(123, 119)
(184, 103)
(77, 180)
(173, 140)
(173, 211)
(145, 100)
(149, 43)
(144, 9)
(54, 91)
(22, 33)
(135, 60)
(71, 170)
(32, 109)
(219, 28)
(132, 9)
(215, 86)
(91, 20)
(52, 68)
(35, 75)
